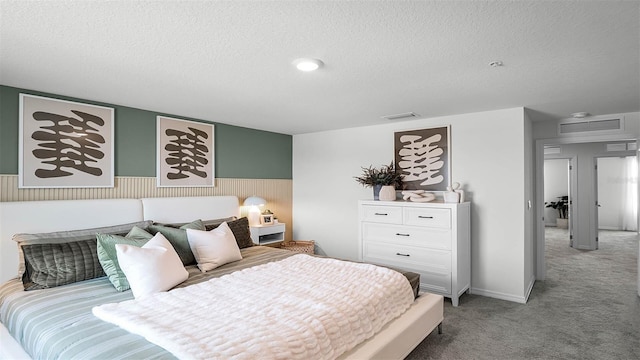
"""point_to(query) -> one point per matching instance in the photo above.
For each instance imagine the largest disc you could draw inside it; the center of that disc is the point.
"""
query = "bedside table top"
(266, 226)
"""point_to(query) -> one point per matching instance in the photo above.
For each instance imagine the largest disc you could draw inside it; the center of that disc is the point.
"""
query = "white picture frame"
(185, 153)
(64, 144)
(266, 219)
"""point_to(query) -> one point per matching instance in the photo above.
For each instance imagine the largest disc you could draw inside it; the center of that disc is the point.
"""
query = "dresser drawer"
(407, 235)
(408, 257)
(435, 218)
(382, 214)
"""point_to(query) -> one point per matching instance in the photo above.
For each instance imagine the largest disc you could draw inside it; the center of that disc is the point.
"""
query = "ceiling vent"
(594, 125)
(403, 116)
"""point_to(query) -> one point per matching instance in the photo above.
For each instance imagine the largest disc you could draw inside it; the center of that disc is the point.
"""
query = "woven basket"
(300, 246)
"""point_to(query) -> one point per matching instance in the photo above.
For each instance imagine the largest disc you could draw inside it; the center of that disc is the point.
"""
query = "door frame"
(541, 270)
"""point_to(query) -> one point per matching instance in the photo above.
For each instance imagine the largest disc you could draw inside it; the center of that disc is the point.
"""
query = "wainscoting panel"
(277, 192)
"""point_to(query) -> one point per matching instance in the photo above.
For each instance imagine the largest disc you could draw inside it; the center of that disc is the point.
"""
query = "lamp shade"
(254, 201)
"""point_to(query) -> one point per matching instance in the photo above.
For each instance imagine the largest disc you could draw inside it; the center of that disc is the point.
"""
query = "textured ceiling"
(230, 62)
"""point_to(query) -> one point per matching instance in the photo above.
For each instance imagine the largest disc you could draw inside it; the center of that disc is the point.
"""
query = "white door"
(573, 186)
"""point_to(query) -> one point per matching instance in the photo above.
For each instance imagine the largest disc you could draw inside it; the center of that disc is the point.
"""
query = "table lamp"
(253, 214)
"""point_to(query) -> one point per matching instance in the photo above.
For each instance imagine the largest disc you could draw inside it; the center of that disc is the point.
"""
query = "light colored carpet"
(587, 308)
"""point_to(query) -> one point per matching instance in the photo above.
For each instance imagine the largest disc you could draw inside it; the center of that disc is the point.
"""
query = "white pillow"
(213, 248)
(152, 268)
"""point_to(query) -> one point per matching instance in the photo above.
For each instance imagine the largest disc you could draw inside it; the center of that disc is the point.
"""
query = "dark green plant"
(385, 175)
(562, 206)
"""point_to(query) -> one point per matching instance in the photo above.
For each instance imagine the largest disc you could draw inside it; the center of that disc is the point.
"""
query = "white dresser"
(432, 239)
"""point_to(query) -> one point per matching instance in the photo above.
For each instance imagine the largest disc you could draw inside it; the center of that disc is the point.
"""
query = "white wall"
(488, 158)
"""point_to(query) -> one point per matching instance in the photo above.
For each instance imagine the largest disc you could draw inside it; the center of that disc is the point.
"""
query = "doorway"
(583, 200)
(557, 188)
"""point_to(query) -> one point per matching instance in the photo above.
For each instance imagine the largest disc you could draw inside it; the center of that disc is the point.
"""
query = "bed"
(395, 339)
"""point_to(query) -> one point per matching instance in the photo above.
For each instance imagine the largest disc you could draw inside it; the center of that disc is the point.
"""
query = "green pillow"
(50, 265)
(178, 238)
(109, 259)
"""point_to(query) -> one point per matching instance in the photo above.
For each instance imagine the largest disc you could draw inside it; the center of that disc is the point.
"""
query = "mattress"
(57, 323)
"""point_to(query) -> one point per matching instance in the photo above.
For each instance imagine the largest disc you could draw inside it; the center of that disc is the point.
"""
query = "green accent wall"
(240, 152)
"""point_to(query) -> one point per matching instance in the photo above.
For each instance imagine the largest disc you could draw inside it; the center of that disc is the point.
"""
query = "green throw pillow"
(50, 265)
(178, 238)
(109, 259)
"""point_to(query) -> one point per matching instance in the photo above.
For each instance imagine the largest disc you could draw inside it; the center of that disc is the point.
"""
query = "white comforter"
(301, 307)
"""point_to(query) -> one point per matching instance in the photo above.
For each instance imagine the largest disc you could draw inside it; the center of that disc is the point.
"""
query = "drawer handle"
(425, 217)
(400, 254)
(381, 214)
(399, 234)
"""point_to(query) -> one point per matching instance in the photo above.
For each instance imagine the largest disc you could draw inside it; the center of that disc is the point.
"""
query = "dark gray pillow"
(51, 265)
(241, 231)
(60, 237)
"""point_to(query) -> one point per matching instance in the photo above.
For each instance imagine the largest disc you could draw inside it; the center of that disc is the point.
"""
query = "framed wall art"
(423, 157)
(64, 144)
(185, 153)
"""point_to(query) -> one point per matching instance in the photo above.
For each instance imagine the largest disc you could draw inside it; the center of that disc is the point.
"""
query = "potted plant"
(383, 180)
(562, 206)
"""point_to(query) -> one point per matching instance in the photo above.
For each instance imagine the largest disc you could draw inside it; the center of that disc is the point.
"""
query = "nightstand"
(267, 234)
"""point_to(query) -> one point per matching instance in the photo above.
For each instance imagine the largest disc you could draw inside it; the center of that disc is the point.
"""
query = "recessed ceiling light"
(580, 115)
(308, 64)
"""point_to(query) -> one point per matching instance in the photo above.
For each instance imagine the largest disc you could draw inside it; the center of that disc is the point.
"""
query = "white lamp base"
(253, 216)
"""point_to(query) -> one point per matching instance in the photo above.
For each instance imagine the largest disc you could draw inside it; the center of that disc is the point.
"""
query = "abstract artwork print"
(423, 158)
(64, 144)
(185, 153)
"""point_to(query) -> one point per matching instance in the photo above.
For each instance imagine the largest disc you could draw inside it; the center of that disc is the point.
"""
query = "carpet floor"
(587, 308)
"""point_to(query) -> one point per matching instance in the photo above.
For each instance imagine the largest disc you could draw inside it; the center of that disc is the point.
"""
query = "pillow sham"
(108, 257)
(241, 232)
(213, 248)
(152, 268)
(60, 237)
(51, 265)
(178, 238)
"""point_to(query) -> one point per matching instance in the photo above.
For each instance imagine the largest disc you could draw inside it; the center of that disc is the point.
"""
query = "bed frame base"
(398, 338)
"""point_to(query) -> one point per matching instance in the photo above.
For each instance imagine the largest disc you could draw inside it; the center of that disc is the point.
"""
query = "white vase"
(388, 193)
(451, 197)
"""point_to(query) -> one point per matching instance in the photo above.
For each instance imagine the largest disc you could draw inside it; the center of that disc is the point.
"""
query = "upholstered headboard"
(59, 215)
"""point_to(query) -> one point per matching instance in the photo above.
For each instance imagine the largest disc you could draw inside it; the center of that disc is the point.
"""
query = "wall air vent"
(594, 125)
(403, 116)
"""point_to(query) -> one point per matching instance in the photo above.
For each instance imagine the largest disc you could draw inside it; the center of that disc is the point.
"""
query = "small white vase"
(388, 193)
(451, 197)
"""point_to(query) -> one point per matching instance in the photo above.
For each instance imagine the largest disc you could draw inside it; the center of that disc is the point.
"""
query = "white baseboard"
(498, 295)
(613, 228)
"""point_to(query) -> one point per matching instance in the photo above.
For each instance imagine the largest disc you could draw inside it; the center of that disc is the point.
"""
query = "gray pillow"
(109, 259)
(51, 265)
(178, 239)
(61, 237)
